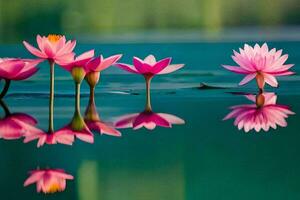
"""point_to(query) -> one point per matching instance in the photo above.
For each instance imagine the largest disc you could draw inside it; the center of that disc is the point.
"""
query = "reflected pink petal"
(48, 180)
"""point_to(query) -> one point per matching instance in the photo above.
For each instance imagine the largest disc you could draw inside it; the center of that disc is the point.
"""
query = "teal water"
(206, 158)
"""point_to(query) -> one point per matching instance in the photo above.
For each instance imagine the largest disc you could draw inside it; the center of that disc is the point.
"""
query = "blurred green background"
(22, 19)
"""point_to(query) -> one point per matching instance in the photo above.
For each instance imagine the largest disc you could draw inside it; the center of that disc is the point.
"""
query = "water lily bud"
(260, 80)
(92, 78)
(78, 74)
(260, 100)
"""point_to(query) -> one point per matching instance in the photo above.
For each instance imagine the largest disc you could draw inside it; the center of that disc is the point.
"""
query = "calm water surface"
(206, 158)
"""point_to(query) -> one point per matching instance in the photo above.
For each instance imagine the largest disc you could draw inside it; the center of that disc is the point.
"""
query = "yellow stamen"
(54, 187)
(54, 38)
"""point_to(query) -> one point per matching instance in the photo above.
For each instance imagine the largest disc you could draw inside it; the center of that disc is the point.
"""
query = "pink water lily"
(149, 66)
(83, 133)
(263, 114)
(49, 138)
(18, 69)
(48, 180)
(54, 48)
(80, 61)
(147, 119)
(100, 63)
(260, 63)
(103, 128)
(16, 125)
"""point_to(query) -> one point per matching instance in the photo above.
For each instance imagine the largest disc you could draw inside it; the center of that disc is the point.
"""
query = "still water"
(204, 158)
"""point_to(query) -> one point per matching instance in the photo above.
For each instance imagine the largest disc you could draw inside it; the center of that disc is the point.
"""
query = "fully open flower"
(260, 63)
(149, 66)
(54, 48)
(261, 115)
(147, 119)
(48, 180)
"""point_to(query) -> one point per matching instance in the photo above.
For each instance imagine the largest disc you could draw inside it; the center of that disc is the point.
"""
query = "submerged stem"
(51, 98)
(5, 88)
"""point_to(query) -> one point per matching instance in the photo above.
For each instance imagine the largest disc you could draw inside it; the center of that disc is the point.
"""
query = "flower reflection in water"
(93, 121)
(15, 125)
(147, 119)
(48, 180)
(263, 114)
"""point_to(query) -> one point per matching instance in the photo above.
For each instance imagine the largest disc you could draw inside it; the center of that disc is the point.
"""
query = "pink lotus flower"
(100, 63)
(80, 61)
(17, 69)
(149, 66)
(263, 114)
(48, 180)
(83, 133)
(147, 119)
(260, 63)
(14, 126)
(103, 128)
(54, 48)
(49, 138)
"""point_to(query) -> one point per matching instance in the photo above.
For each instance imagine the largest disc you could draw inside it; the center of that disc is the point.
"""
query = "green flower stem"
(91, 111)
(77, 121)
(148, 79)
(51, 97)
(5, 88)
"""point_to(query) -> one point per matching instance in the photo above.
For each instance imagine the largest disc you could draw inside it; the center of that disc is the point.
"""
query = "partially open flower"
(149, 66)
(263, 114)
(48, 180)
(54, 48)
(260, 63)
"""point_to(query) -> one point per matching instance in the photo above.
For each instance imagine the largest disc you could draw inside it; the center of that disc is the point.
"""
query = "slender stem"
(5, 88)
(148, 96)
(5, 108)
(77, 100)
(91, 113)
(92, 95)
(51, 97)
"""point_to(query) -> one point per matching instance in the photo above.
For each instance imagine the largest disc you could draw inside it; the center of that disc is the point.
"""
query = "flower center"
(54, 187)
(53, 37)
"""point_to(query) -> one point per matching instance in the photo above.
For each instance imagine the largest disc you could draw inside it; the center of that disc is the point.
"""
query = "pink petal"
(160, 65)
(150, 60)
(271, 80)
(171, 68)
(127, 67)
(236, 69)
(247, 79)
(34, 50)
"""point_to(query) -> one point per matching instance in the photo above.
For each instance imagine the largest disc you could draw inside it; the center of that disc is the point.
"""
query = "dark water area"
(205, 158)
